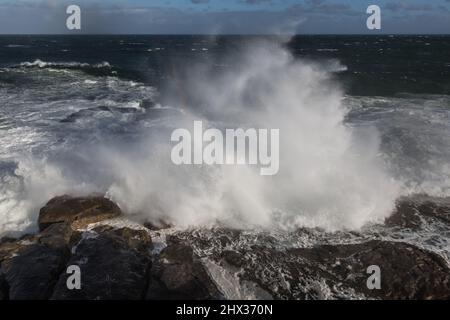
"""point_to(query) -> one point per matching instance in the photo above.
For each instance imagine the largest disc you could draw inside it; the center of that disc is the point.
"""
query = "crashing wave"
(69, 65)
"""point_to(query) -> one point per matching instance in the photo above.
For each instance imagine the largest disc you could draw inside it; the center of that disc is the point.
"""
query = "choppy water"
(79, 114)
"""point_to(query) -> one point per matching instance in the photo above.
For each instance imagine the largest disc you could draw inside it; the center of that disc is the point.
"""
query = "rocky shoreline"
(124, 260)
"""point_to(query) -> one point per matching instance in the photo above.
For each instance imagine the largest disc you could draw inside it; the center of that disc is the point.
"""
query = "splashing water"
(331, 175)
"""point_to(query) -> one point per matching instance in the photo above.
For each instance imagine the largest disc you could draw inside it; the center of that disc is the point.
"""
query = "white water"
(331, 176)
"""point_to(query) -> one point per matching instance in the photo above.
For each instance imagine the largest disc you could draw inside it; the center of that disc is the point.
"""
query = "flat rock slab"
(79, 211)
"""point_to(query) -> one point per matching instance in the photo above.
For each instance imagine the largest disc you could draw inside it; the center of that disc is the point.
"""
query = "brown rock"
(79, 211)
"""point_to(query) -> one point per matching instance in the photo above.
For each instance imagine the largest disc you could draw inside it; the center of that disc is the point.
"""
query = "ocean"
(364, 121)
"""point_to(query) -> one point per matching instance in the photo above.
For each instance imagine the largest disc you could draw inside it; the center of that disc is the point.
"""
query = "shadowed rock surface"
(120, 262)
(333, 271)
(4, 290)
(114, 265)
(32, 274)
(32, 265)
(413, 213)
(179, 274)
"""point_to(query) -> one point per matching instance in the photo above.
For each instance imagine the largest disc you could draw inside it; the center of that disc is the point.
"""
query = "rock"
(32, 264)
(218, 263)
(436, 208)
(33, 271)
(407, 272)
(7, 239)
(179, 274)
(114, 265)
(79, 211)
(159, 225)
(332, 271)
(406, 216)
(3, 288)
(8, 249)
(58, 235)
(411, 211)
(234, 258)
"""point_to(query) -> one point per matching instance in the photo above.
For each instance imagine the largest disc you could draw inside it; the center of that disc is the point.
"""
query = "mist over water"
(333, 175)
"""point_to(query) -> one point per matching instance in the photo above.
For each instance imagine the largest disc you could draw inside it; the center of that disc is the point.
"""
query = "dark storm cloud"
(199, 1)
(403, 6)
(252, 2)
(306, 16)
(323, 8)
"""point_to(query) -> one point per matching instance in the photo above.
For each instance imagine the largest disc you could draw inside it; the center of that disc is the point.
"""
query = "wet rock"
(9, 249)
(7, 239)
(407, 272)
(234, 258)
(156, 226)
(79, 211)
(32, 264)
(179, 274)
(114, 264)
(406, 215)
(411, 212)
(436, 208)
(3, 288)
(334, 271)
(32, 271)
(58, 235)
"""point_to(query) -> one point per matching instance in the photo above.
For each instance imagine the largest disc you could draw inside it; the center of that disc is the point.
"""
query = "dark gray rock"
(78, 211)
(334, 271)
(114, 265)
(157, 225)
(179, 274)
(4, 290)
(412, 212)
(33, 263)
(33, 271)
(407, 272)
(7, 239)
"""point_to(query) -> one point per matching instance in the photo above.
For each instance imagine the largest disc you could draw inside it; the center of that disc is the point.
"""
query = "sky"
(225, 16)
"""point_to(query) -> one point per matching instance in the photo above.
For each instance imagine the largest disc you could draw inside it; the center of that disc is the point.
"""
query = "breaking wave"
(334, 174)
(68, 65)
